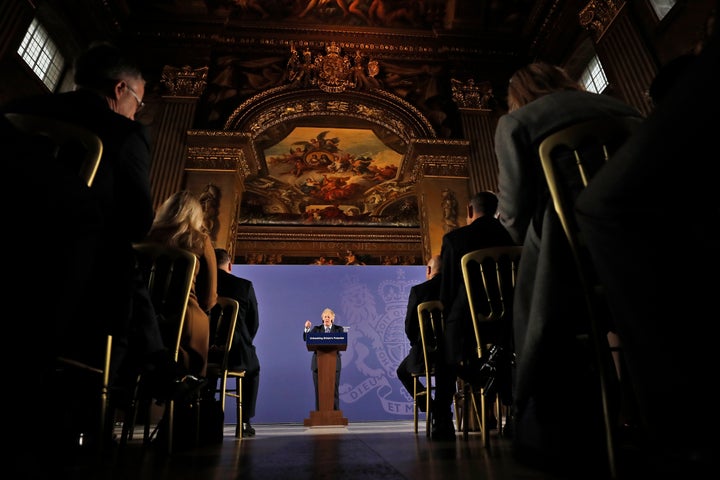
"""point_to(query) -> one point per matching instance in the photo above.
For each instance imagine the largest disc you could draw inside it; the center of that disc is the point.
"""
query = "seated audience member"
(328, 325)
(649, 219)
(482, 230)
(555, 394)
(179, 223)
(95, 294)
(242, 354)
(422, 292)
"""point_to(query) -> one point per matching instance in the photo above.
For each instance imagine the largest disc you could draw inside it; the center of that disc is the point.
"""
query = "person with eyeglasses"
(109, 90)
(140, 103)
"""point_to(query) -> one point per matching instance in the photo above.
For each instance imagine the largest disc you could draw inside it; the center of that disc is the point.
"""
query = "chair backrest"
(570, 158)
(169, 273)
(223, 318)
(430, 317)
(69, 141)
(489, 275)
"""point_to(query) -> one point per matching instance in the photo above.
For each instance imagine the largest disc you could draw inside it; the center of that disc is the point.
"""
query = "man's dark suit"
(483, 232)
(486, 231)
(122, 193)
(93, 230)
(314, 366)
(414, 362)
(242, 353)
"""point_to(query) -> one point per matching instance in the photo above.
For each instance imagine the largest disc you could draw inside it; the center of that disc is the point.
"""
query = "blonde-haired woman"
(179, 222)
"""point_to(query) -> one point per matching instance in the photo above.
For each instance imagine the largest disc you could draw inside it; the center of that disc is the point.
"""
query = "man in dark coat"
(482, 230)
(242, 354)
(422, 292)
(94, 296)
(109, 93)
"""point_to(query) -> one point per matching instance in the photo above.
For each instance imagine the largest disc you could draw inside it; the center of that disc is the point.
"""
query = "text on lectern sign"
(322, 338)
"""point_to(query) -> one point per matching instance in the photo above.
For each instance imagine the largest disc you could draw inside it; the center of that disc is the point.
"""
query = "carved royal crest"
(332, 72)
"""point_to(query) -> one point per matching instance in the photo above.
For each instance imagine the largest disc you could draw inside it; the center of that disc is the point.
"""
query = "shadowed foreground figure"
(649, 219)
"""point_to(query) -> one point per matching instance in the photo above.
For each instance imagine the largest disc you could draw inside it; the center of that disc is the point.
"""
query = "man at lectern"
(328, 325)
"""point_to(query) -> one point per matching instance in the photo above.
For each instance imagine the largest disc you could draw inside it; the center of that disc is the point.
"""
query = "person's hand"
(308, 324)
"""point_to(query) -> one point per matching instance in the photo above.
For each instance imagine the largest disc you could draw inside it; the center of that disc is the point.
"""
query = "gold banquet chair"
(570, 158)
(489, 275)
(169, 273)
(430, 317)
(71, 141)
(223, 318)
(65, 136)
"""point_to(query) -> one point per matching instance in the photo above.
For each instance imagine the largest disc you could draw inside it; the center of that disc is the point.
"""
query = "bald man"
(422, 292)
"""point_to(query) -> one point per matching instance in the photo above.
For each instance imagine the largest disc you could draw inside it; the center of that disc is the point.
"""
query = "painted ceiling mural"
(330, 176)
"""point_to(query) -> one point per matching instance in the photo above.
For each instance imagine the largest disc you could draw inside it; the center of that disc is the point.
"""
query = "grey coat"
(549, 308)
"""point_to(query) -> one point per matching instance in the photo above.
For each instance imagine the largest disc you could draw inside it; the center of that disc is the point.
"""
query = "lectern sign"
(322, 338)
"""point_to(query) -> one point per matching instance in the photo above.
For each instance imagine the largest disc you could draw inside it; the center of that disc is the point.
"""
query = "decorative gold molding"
(439, 157)
(472, 95)
(282, 104)
(597, 16)
(439, 166)
(342, 238)
(185, 81)
(217, 158)
(215, 133)
(397, 116)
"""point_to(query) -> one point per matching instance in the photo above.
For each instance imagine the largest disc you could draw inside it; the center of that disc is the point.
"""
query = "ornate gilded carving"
(210, 200)
(468, 94)
(337, 240)
(331, 72)
(440, 166)
(330, 108)
(217, 158)
(597, 16)
(185, 81)
(284, 103)
(449, 206)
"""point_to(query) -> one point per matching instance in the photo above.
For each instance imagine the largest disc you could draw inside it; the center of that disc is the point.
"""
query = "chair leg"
(167, 420)
(428, 417)
(471, 405)
(468, 406)
(238, 407)
(483, 421)
(415, 405)
(458, 406)
(170, 414)
(223, 390)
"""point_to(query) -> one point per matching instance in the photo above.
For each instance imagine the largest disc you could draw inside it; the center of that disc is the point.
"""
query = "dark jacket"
(486, 231)
(242, 352)
(549, 309)
(122, 193)
(548, 299)
(422, 292)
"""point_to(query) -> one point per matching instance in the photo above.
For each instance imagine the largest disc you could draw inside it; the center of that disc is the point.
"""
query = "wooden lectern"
(326, 345)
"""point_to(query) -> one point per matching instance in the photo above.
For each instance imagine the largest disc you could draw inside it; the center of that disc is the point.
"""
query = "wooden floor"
(374, 450)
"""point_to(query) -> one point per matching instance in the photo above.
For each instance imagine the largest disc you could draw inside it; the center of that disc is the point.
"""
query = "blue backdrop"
(371, 300)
